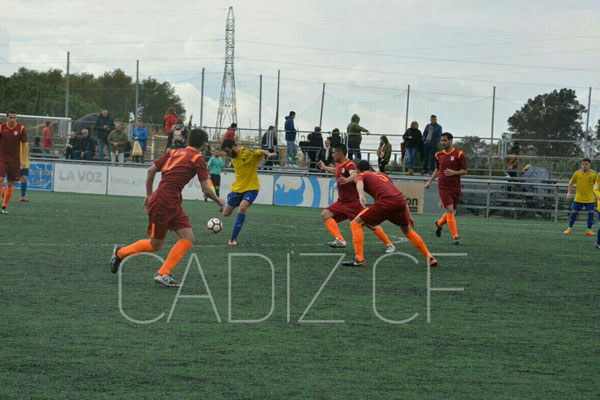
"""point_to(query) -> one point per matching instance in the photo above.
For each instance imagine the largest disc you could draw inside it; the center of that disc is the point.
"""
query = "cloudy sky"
(451, 53)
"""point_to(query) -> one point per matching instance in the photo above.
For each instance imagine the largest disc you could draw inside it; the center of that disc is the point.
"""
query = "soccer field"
(525, 326)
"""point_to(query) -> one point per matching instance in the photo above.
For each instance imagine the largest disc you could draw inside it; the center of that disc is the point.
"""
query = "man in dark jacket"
(355, 137)
(103, 126)
(269, 142)
(69, 155)
(290, 138)
(432, 134)
(315, 144)
(413, 141)
(84, 147)
(335, 138)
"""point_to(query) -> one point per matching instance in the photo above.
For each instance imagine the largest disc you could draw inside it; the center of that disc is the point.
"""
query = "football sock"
(418, 243)
(382, 236)
(452, 225)
(572, 219)
(175, 255)
(334, 229)
(217, 192)
(590, 220)
(442, 220)
(1, 191)
(8, 192)
(239, 222)
(24, 190)
(358, 238)
(141, 246)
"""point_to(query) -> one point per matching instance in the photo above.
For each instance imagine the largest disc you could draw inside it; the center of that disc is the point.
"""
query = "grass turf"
(526, 325)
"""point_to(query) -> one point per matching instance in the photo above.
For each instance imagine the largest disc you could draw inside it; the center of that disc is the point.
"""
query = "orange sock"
(333, 229)
(141, 246)
(452, 225)
(358, 238)
(7, 195)
(418, 243)
(175, 255)
(442, 221)
(382, 236)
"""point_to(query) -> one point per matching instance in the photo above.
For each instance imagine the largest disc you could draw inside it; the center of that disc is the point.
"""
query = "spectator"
(413, 141)
(355, 137)
(290, 138)
(315, 144)
(84, 146)
(335, 138)
(431, 137)
(216, 165)
(102, 127)
(47, 142)
(178, 136)
(230, 134)
(269, 143)
(512, 160)
(384, 153)
(141, 134)
(118, 140)
(69, 155)
(37, 146)
(326, 153)
(169, 120)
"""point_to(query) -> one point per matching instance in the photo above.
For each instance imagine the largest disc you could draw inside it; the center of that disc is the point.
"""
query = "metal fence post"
(487, 201)
(556, 196)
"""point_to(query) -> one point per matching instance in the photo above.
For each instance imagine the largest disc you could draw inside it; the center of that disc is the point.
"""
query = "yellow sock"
(334, 229)
(141, 246)
(382, 236)
(175, 255)
(452, 226)
(358, 239)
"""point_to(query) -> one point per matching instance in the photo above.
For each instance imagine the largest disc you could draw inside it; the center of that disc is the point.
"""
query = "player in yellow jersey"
(584, 179)
(24, 171)
(597, 193)
(245, 188)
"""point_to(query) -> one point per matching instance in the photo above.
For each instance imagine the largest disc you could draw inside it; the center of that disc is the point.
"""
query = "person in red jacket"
(230, 134)
(47, 138)
(170, 120)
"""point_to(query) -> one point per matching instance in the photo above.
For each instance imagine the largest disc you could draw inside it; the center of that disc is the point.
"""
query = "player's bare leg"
(378, 231)
(418, 242)
(185, 242)
(334, 230)
(358, 240)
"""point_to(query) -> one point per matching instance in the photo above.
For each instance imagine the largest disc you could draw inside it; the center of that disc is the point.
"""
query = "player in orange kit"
(163, 206)
(450, 166)
(12, 161)
(389, 205)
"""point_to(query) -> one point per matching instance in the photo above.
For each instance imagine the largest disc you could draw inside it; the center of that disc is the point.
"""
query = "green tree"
(155, 98)
(550, 116)
(473, 146)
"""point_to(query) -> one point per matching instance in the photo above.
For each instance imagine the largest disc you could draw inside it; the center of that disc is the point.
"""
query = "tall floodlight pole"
(137, 89)
(202, 99)
(227, 104)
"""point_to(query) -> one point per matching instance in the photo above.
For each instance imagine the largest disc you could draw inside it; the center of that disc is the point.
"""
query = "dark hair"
(433, 116)
(227, 144)
(336, 130)
(234, 125)
(341, 147)
(586, 160)
(448, 135)
(36, 140)
(197, 138)
(292, 113)
(47, 123)
(363, 165)
(10, 111)
(385, 140)
(104, 108)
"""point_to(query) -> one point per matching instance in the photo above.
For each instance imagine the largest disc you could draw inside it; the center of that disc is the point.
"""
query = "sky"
(451, 53)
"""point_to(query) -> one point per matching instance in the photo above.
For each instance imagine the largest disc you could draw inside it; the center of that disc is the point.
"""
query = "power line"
(105, 43)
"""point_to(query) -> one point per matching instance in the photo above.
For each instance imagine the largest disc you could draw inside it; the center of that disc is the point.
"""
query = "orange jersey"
(9, 142)
(380, 186)
(346, 192)
(454, 160)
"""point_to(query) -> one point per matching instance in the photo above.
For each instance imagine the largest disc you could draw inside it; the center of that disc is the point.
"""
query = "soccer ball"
(214, 225)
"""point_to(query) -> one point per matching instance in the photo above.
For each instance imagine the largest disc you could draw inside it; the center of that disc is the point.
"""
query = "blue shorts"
(25, 172)
(580, 206)
(234, 199)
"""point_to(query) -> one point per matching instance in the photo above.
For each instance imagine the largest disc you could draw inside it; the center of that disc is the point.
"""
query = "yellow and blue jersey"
(597, 191)
(585, 185)
(245, 165)
(26, 153)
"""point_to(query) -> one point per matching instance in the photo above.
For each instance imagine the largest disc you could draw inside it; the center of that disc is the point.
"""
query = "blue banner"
(302, 191)
(41, 177)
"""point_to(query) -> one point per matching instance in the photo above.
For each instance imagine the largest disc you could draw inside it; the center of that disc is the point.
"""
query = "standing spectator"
(315, 144)
(178, 136)
(269, 142)
(290, 138)
(47, 136)
(69, 155)
(141, 134)
(384, 153)
(169, 120)
(84, 147)
(335, 138)
(118, 140)
(326, 153)
(512, 160)
(355, 137)
(413, 141)
(230, 134)
(102, 127)
(216, 165)
(431, 137)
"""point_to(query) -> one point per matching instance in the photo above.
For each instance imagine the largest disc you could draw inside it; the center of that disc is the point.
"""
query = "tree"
(473, 146)
(550, 116)
(156, 97)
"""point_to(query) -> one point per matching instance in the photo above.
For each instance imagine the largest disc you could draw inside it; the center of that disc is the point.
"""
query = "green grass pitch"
(525, 326)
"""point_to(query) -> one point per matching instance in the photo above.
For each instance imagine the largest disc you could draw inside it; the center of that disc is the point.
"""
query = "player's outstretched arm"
(324, 167)
(210, 194)
(268, 154)
(432, 178)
